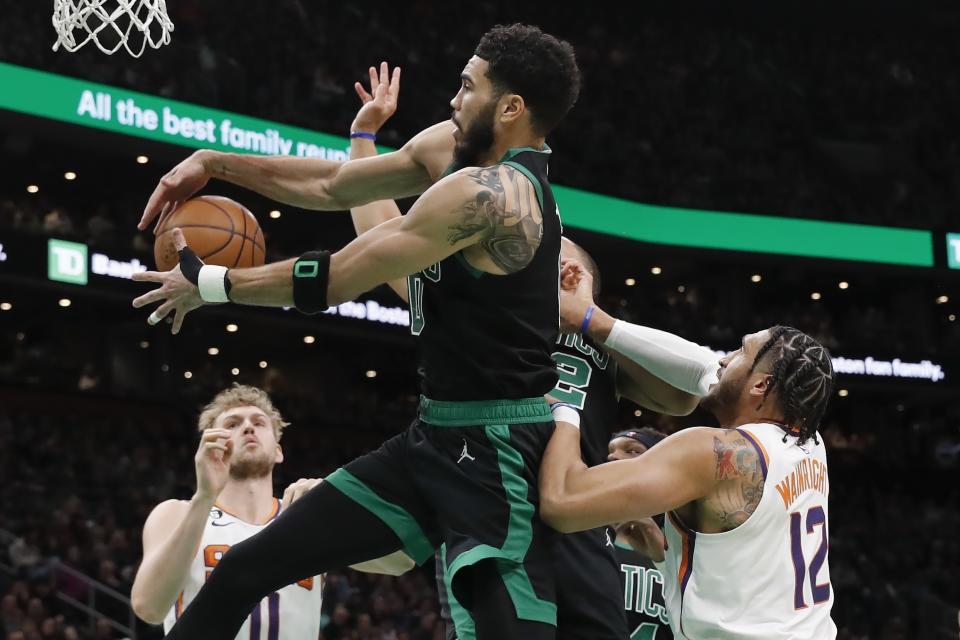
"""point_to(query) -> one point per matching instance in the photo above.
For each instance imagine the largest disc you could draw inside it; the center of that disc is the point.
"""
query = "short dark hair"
(536, 65)
(802, 372)
(647, 436)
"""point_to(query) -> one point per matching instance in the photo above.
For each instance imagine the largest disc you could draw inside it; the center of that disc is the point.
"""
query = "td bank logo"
(67, 261)
(953, 250)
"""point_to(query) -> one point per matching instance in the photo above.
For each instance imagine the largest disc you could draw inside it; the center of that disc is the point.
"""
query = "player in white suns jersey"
(746, 504)
(184, 540)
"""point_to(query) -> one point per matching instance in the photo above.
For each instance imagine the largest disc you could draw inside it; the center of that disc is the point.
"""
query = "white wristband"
(212, 283)
(566, 413)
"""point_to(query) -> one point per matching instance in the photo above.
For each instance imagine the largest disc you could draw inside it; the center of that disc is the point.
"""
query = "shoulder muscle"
(162, 520)
(502, 213)
(739, 477)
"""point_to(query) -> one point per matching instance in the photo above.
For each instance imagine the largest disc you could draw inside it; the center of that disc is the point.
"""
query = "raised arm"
(312, 183)
(173, 531)
(465, 209)
(657, 369)
(377, 107)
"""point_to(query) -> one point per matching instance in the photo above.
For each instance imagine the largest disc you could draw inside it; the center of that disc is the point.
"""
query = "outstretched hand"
(176, 292)
(178, 185)
(380, 102)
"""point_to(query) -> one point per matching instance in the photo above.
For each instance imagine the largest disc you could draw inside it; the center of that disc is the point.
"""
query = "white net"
(111, 24)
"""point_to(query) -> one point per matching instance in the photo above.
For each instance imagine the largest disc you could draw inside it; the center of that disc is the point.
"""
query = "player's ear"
(278, 457)
(760, 384)
(512, 108)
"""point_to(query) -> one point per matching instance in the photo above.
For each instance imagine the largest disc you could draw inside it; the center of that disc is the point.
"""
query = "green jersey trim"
(519, 531)
(536, 183)
(415, 542)
(515, 151)
(476, 273)
(473, 413)
(462, 620)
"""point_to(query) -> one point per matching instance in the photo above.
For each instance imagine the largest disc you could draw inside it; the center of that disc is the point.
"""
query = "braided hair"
(802, 375)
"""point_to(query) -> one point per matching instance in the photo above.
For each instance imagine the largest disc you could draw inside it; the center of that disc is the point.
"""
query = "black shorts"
(589, 590)
(464, 475)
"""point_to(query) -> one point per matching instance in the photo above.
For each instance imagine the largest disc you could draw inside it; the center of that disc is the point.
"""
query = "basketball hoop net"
(111, 24)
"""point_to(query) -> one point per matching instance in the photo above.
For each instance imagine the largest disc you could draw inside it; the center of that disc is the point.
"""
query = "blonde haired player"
(183, 540)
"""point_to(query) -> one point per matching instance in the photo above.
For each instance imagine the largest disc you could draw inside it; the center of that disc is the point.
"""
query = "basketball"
(219, 230)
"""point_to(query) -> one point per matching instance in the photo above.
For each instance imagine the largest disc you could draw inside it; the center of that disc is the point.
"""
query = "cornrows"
(802, 374)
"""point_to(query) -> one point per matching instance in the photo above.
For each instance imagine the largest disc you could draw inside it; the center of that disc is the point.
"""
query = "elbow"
(680, 403)
(555, 513)
(145, 610)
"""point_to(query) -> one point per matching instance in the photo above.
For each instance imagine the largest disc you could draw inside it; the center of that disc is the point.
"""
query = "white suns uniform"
(292, 613)
(769, 578)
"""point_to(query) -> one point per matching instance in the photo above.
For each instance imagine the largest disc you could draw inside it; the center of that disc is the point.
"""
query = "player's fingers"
(384, 73)
(374, 80)
(362, 93)
(215, 449)
(178, 320)
(395, 84)
(147, 276)
(179, 241)
(157, 198)
(168, 210)
(214, 434)
(285, 499)
(149, 297)
(161, 312)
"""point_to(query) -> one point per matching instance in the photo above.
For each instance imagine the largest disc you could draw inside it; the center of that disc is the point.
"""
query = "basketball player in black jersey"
(589, 591)
(481, 248)
(637, 546)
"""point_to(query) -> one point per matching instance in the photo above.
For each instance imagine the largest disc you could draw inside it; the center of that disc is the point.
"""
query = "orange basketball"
(219, 230)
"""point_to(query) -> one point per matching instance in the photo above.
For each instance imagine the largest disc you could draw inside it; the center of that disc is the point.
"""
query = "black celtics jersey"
(587, 379)
(643, 596)
(485, 336)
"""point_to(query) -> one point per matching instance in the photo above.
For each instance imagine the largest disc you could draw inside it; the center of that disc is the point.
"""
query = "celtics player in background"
(482, 247)
(638, 545)
(589, 592)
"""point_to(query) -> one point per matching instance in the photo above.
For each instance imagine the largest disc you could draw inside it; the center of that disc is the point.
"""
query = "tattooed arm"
(711, 476)
(485, 208)
(739, 484)
(504, 217)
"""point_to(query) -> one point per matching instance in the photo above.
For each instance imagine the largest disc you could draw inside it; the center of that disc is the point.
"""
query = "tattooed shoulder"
(503, 212)
(740, 480)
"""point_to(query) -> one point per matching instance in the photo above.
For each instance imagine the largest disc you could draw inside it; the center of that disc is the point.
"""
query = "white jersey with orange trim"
(769, 578)
(292, 612)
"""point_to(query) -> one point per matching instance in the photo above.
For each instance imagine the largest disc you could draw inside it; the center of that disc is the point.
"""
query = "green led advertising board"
(118, 110)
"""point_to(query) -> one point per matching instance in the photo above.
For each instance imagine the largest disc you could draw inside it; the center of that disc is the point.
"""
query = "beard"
(725, 393)
(475, 141)
(253, 465)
